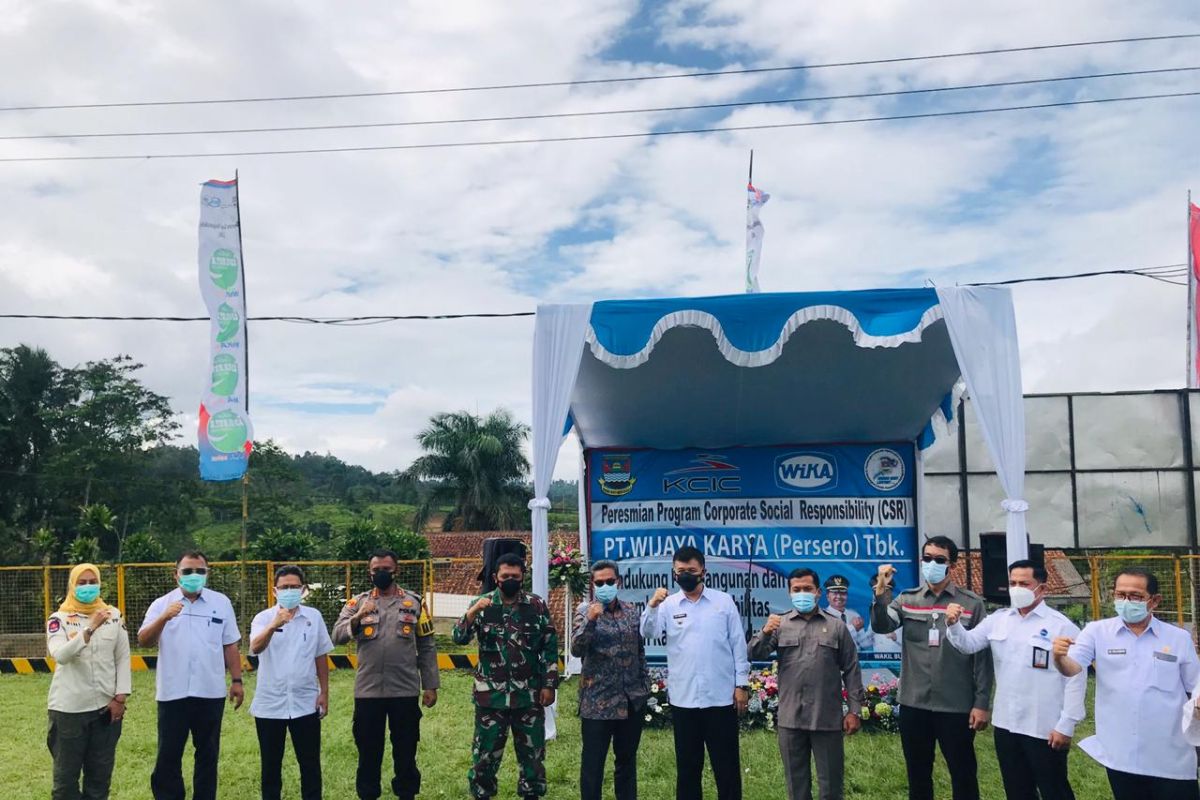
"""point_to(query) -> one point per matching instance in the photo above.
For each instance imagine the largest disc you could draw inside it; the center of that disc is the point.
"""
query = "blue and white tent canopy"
(759, 369)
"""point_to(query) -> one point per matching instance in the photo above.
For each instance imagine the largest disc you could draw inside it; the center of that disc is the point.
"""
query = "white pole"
(1192, 378)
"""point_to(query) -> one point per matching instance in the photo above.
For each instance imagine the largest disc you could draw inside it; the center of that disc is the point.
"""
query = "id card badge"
(935, 637)
(1041, 658)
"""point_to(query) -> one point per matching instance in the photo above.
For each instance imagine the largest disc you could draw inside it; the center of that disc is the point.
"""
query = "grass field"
(874, 766)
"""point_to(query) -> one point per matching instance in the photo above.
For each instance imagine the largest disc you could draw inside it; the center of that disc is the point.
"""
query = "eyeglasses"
(1134, 596)
(193, 570)
(605, 582)
(935, 559)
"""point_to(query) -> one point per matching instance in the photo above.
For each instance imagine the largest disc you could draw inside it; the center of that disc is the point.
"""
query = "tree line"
(92, 469)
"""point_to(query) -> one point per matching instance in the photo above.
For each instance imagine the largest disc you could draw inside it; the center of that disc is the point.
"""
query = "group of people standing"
(953, 652)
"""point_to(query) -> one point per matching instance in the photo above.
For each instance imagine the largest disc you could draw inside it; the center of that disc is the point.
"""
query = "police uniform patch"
(408, 603)
(368, 631)
(352, 602)
(424, 625)
(55, 626)
(407, 630)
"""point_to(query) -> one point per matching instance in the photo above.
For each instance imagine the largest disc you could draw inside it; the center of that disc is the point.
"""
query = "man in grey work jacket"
(397, 661)
(944, 694)
(817, 658)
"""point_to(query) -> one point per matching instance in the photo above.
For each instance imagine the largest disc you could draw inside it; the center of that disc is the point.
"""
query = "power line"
(598, 137)
(1155, 272)
(599, 81)
(597, 113)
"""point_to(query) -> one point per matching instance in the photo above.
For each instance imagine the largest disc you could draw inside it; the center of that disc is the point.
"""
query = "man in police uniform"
(837, 590)
(397, 661)
(945, 695)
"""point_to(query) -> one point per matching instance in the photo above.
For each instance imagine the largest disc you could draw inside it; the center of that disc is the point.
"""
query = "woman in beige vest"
(87, 640)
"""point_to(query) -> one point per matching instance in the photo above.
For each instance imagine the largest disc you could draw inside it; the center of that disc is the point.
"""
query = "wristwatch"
(743, 688)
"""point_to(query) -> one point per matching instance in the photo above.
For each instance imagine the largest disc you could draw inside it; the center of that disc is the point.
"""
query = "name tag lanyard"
(935, 635)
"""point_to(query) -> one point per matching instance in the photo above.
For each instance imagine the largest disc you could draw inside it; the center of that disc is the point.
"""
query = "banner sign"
(225, 435)
(757, 514)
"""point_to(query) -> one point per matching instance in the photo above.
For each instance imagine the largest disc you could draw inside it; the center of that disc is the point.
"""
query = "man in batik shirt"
(613, 688)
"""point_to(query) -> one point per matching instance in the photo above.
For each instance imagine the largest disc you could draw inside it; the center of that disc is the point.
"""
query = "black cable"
(596, 81)
(1143, 272)
(600, 113)
(598, 137)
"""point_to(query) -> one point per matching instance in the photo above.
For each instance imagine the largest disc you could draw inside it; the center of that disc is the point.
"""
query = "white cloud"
(471, 229)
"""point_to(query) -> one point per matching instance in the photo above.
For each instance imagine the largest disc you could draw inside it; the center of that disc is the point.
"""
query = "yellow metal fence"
(29, 594)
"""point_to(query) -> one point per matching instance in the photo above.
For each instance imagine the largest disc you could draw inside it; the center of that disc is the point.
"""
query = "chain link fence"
(28, 595)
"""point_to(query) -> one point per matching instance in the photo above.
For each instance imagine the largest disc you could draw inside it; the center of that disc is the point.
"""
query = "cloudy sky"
(501, 228)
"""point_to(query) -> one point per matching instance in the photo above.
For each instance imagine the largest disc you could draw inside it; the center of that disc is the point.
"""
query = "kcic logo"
(708, 474)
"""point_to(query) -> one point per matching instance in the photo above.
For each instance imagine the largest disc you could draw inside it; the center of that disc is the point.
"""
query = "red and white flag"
(755, 200)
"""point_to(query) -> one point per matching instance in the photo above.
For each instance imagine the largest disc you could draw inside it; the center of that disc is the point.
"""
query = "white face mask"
(1021, 597)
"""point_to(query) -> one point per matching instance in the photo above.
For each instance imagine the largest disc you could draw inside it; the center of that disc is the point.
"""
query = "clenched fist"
(173, 610)
(368, 606)
(99, 618)
(284, 616)
(953, 613)
(594, 611)
(773, 623)
(884, 580)
(1062, 644)
(480, 604)
(660, 594)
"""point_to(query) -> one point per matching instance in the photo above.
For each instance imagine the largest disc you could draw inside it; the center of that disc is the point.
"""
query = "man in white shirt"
(197, 638)
(837, 592)
(1036, 709)
(292, 687)
(1144, 669)
(708, 673)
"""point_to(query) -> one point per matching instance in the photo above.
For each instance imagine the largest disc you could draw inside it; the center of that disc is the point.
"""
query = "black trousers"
(201, 718)
(714, 729)
(1030, 768)
(306, 742)
(625, 735)
(1127, 786)
(402, 716)
(919, 731)
(82, 743)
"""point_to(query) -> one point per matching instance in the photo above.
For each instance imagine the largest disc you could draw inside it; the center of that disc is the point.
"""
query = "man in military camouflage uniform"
(397, 660)
(514, 682)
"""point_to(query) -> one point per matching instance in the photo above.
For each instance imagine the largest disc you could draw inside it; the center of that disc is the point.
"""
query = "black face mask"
(510, 587)
(687, 581)
(382, 579)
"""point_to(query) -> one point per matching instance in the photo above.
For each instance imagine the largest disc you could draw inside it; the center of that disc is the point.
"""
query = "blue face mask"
(933, 572)
(804, 602)
(1131, 610)
(192, 583)
(87, 593)
(606, 594)
(289, 598)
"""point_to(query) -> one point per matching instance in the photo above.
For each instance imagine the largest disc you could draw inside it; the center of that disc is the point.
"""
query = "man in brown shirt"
(397, 662)
(817, 658)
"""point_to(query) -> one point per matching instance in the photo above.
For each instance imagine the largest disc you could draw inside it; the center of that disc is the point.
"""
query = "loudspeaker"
(993, 553)
(492, 550)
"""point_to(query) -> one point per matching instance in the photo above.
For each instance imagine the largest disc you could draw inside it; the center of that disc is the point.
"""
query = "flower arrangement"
(880, 714)
(567, 569)
(882, 711)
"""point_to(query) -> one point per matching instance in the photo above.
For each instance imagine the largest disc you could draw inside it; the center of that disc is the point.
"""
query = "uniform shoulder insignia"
(352, 602)
(54, 625)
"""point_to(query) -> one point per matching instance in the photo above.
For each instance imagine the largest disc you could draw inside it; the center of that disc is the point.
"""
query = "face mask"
(288, 598)
(1020, 597)
(804, 602)
(1131, 610)
(606, 594)
(510, 587)
(382, 579)
(687, 581)
(933, 572)
(87, 593)
(193, 583)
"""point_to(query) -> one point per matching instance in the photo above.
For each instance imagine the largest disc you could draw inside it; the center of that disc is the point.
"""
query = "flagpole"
(1191, 305)
(750, 177)
(237, 204)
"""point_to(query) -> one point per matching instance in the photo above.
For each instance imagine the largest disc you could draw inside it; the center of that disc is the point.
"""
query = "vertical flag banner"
(755, 200)
(1193, 281)
(225, 434)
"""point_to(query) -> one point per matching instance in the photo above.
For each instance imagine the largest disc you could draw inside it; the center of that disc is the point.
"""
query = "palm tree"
(476, 465)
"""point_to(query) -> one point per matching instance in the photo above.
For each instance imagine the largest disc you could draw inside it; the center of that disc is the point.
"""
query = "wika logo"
(708, 474)
(616, 474)
(805, 472)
